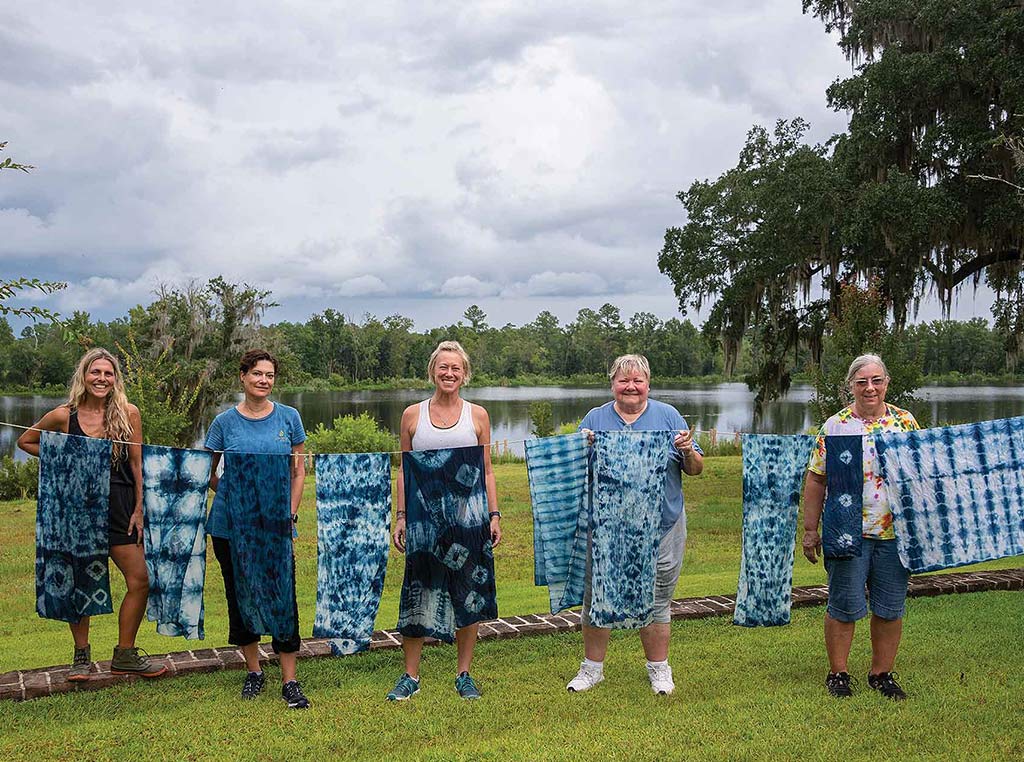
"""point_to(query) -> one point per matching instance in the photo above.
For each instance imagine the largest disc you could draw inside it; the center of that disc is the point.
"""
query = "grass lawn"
(741, 694)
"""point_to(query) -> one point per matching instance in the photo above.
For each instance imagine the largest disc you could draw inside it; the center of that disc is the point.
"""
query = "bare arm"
(135, 462)
(814, 503)
(405, 432)
(214, 479)
(482, 422)
(55, 420)
(298, 470)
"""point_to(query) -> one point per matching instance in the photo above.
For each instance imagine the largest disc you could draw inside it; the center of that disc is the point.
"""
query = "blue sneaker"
(466, 687)
(404, 689)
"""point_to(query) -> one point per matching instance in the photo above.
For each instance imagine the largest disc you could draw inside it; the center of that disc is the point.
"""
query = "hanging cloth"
(353, 506)
(175, 485)
(842, 522)
(773, 472)
(72, 576)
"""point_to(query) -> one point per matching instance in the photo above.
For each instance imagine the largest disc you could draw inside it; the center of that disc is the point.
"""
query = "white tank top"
(430, 437)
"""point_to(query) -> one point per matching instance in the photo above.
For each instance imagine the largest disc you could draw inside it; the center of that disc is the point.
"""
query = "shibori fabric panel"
(773, 472)
(449, 561)
(957, 492)
(843, 521)
(72, 575)
(353, 506)
(258, 499)
(175, 486)
(557, 471)
(625, 519)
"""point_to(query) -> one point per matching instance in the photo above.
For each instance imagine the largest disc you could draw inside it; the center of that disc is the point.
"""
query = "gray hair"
(625, 363)
(860, 362)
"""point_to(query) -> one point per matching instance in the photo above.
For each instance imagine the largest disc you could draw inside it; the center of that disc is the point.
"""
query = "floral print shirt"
(877, 514)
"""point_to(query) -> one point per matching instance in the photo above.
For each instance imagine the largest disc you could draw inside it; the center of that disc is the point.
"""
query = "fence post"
(714, 438)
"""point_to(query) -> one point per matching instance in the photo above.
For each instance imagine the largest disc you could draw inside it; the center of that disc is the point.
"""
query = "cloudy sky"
(377, 157)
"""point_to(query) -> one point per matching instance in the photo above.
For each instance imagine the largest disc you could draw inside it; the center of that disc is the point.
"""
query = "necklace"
(446, 422)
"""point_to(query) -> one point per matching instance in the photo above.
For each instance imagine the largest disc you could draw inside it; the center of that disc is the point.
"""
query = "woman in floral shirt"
(878, 567)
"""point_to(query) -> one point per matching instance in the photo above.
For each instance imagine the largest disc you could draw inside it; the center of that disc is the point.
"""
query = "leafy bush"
(349, 433)
(19, 481)
(541, 423)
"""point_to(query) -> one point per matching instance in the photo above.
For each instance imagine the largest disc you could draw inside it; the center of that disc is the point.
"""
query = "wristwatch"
(494, 515)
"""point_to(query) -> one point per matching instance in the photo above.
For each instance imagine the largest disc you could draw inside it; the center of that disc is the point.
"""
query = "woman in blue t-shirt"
(256, 425)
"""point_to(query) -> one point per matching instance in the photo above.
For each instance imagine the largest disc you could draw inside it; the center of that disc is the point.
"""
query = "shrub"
(349, 433)
(19, 481)
(541, 423)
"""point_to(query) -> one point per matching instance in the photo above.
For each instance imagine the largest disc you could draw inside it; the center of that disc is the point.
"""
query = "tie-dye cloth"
(957, 493)
(175, 486)
(353, 505)
(557, 470)
(258, 501)
(773, 472)
(842, 521)
(72, 576)
(628, 490)
(449, 561)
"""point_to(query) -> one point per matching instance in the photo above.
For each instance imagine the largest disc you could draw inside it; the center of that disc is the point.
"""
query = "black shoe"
(253, 686)
(838, 684)
(291, 692)
(885, 683)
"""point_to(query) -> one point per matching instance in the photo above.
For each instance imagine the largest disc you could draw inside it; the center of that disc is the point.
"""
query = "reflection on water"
(725, 407)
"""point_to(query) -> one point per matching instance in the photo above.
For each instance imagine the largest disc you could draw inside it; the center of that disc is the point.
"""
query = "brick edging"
(47, 681)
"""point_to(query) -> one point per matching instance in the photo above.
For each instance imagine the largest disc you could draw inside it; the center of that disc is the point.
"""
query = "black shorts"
(122, 506)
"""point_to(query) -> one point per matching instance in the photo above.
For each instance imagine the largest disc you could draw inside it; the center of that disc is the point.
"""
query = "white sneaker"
(661, 678)
(585, 679)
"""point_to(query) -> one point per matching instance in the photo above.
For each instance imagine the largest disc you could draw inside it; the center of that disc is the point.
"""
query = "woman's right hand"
(398, 535)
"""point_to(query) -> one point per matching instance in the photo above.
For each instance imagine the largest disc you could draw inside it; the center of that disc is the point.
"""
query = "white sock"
(657, 663)
(597, 666)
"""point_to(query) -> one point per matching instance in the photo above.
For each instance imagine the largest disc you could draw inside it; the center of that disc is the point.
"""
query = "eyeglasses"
(862, 383)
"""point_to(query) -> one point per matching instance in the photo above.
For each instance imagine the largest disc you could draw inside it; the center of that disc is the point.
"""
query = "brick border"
(48, 681)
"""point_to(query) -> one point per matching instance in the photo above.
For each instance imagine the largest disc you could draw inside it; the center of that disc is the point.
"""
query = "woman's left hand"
(683, 442)
(495, 531)
(135, 522)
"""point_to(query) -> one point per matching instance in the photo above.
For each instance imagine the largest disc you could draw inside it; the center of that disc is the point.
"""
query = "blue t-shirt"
(657, 417)
(231, 431)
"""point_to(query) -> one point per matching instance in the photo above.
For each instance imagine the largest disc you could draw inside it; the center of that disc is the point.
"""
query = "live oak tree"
(920, 194)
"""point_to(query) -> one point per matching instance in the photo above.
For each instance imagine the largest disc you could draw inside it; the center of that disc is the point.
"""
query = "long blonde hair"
(116, 424)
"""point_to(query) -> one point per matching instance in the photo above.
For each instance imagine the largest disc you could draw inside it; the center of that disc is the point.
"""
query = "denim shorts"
(879, 569)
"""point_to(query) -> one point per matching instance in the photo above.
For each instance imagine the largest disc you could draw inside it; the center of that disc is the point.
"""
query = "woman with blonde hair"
(98, 407)
(450, 498)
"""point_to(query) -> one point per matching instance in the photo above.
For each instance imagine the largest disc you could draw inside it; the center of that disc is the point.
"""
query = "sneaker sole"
(390, 697)
(78, 678)
(147, 675)
(298, 706)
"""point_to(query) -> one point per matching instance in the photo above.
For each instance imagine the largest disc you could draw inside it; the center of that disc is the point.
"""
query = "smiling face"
(868, 387)
(258, 381)
(630, 389)
(99, 378)
(449, 372)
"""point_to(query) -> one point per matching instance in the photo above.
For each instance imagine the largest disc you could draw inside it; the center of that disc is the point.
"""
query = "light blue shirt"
(231, 431)
(657, 417)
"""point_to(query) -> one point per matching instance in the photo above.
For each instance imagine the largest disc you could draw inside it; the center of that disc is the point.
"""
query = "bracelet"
(494, 515)
(399, 514)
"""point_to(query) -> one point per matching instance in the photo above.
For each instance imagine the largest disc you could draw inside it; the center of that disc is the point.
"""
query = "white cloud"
(468, 286)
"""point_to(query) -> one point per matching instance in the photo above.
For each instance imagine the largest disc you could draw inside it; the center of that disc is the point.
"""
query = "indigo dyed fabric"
(842, 522)
(175, 485)
(773, 472)
(557, 470)
(258, 500)
(72, 576)
(353, 507)
(628, 490)
(957, 493)
(449, 561)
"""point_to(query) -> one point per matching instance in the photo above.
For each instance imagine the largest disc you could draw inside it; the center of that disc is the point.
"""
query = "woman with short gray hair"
(878, 567)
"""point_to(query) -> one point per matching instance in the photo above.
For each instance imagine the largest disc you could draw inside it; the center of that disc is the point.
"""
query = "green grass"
(742, 694)
(711, 566)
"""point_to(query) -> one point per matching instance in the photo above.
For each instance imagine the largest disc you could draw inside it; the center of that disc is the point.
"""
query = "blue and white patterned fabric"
(175, 486)
(353, 506)
(842, 522)
(773, 472)
(957, 492)
(557, 470)
(258, 501)
(72, 576)
(449, 561)
(628, 490)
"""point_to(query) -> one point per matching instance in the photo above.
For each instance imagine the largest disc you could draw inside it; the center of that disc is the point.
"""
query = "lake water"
(725, 407)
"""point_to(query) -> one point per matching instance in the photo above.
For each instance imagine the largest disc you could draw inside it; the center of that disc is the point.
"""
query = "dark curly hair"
(253, 356)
